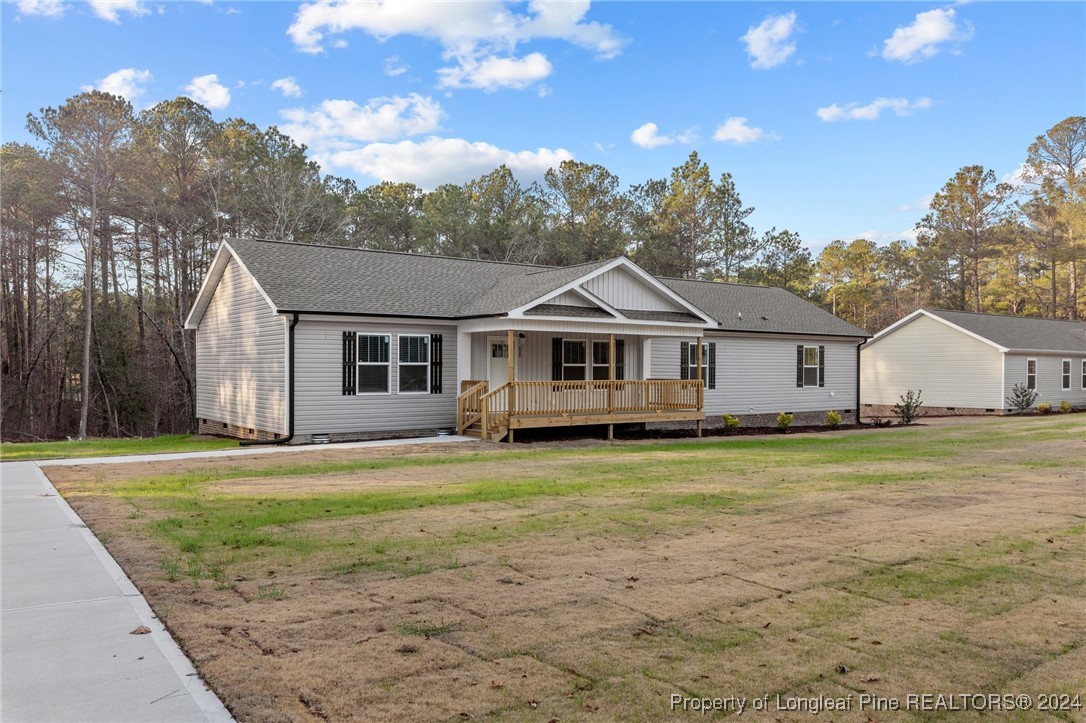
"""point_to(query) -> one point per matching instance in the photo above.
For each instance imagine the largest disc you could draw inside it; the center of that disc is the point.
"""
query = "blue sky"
(837, 120)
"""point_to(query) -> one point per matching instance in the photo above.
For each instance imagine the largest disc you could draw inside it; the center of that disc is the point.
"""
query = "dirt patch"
(602, 604)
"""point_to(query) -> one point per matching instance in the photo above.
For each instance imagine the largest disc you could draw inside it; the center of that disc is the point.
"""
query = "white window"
(1031, 373)
(373, 364)
(693, 361)
(601, 359)
(810, 366)
(414, 364)
(574, 359)
(1084, 373)
(1065, 378)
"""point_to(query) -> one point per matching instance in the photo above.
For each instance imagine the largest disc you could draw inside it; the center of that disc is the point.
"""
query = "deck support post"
(511, 346)
(610, 432)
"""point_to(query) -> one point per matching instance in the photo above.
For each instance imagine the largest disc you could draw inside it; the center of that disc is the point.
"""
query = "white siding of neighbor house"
(534, 353)
(1049, 378)
(952, 368)
(757, 374)
(241, 356)
(322, 408)
(622, 290)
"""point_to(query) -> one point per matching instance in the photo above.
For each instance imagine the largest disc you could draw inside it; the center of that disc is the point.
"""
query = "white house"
(969, 363)
(297, 341)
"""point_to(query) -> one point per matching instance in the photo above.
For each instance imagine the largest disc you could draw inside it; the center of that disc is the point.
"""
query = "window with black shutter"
(810, 366)
(712, 365)
(350, 371)
(435, 363)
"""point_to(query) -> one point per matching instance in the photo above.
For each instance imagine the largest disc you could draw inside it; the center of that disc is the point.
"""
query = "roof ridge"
(1003, 316)
(541, 267)
(725, 283)
(571, 266)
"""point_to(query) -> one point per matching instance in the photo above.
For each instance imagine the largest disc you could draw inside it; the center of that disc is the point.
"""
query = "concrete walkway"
(66, 614)
(263, 449)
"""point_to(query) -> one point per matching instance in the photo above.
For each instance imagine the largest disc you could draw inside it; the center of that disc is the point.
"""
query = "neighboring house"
(302, 342)
(968, 363)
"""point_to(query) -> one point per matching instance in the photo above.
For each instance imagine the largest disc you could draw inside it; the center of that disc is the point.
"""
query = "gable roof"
(347, 281)
(1015, 333)
(765, 309)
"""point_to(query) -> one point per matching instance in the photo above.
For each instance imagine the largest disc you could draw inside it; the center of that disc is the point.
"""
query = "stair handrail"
(475, 393)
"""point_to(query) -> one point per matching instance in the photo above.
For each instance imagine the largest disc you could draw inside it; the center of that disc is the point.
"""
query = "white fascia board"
(211, 282)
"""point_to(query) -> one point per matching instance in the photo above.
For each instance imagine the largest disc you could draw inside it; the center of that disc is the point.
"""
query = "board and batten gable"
(322, 408)
(241, 357)
(756, 374)
(1049, 377)
(952, 368)
(622, 290)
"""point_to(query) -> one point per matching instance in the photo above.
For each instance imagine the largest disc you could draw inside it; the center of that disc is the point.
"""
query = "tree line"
(111, 219)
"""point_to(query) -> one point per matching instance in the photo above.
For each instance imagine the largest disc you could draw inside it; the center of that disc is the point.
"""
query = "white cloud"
(394, 66)
(434, 161)
(770, 43)
(493, 73)
(208, 91)
(923, 38)
(871, 111)
(111, 9)
(922, 205)
(288, 86)
(480, 37)
(342, 124)
(46, 8)
(1019, 178)
(737, 131)
(128, 83)
(648, 136)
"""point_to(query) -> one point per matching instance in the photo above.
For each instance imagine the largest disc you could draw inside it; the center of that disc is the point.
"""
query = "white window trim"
(587, 366)
(692, 362)
(1082, 380)
(1065, 364)
(606, 344)
(358, 352)
(807, 366)
(1034, 374)
(400, 363)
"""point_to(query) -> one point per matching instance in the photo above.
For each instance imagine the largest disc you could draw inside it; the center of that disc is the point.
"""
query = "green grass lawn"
(18, 451)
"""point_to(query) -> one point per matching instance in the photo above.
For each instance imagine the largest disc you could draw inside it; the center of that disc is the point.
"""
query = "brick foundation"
(886, 411)
(224, 429)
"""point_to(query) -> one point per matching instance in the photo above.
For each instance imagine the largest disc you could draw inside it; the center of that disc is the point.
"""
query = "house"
(968, 363)
(297, 342)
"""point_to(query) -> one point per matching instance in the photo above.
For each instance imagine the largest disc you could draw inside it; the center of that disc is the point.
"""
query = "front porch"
(495, 407)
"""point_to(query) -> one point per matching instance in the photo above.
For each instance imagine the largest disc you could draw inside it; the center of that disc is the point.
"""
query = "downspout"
(290, 392)
(858, 407)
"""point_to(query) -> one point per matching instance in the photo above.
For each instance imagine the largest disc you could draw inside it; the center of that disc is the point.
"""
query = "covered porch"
(569, 375)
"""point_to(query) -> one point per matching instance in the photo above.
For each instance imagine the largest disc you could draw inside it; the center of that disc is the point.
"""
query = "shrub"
(731, 423)
(1065, 406)
(1021, 398)
(784, 420)
(1044, 408)
(833, 419)
(908, 409)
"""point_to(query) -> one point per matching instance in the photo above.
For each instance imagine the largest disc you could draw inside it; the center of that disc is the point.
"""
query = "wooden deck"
(495, 413)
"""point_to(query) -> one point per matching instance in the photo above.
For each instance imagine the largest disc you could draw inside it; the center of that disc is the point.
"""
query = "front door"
(498, 369)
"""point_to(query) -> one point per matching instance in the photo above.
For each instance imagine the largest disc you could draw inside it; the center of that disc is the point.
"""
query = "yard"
(592, 581)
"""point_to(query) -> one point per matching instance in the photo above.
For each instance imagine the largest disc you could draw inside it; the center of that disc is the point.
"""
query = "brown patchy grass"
(943, 559)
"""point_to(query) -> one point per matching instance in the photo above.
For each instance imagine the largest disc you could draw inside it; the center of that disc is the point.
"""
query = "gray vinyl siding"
(952, 368)
(757, 374)
(570, 298)
(1049, 378)
(322, 408)
(622, 290)
(534, 354)
(241, 357)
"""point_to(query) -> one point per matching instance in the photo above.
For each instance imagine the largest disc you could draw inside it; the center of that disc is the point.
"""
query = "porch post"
(701, 388)
(511, 346)
(611, 383)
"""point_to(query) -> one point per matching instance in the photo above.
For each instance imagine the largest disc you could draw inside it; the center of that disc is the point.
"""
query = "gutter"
(290, 392)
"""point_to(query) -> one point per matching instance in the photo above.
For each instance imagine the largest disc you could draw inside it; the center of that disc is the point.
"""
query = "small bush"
(1044, 408)
(1065, 407)
(731, 423)
(908, 409)
(833, 419)
(1021, 398)
(784, 421)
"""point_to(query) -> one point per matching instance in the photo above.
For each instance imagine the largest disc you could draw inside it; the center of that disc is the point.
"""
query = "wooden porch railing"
(539, 403)
(468, 407)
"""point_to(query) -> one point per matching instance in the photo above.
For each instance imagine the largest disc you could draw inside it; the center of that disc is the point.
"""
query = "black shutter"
(712, 365)
(799, 365)
(821, 366)
(556, 359)
(350, 362)
(620, 359)
(435, 364)
(684, 360)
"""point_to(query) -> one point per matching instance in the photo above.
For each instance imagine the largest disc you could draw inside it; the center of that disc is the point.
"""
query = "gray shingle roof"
(742, 307)
(649, 315)
(1020, 332)
(336, 280)
(588, 312)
